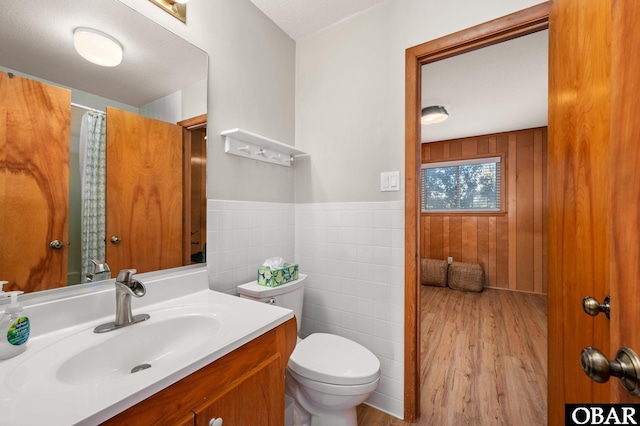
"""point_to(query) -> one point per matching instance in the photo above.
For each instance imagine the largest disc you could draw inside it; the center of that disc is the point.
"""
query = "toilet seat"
(331, 389)
(332, 359)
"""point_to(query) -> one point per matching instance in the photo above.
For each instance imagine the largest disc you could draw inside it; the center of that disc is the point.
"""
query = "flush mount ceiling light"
(177, 8)
(434, 114)
(97, 47)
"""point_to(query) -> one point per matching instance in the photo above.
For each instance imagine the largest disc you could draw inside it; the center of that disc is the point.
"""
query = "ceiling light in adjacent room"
(434, 114)
(97, 47)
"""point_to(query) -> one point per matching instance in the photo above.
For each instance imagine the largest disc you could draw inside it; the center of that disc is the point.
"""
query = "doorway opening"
(510, 27)
(194, 191)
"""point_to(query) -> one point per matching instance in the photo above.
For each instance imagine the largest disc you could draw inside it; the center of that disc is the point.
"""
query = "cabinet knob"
(215, 422)
(115, 240)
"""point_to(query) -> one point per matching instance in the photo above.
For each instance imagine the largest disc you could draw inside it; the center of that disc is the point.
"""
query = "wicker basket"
(433, 272)
(466, 276)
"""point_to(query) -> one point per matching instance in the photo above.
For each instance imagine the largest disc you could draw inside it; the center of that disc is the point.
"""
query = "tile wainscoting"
(353, 254)
(241, 235)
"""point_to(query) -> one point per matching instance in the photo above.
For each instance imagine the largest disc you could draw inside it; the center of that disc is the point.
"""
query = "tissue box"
(278, 276)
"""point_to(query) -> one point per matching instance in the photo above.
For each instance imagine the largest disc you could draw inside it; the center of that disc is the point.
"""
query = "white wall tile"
(365, 218)
(242, 235)
(355, 255)
(382, 219)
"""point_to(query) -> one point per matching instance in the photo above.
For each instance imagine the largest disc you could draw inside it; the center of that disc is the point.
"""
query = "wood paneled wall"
(511, 245)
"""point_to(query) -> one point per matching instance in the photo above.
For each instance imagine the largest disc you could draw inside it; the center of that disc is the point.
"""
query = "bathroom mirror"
(162, 78)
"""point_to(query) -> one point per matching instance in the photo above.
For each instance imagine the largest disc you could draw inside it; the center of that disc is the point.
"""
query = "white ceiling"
(495, 89)
(37, 39)
(301, 18)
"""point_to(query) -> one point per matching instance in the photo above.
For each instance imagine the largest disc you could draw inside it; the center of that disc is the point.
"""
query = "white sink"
(138, 347)
(88, 358)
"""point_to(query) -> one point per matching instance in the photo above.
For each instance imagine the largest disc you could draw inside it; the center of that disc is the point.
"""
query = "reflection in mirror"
(98, 164)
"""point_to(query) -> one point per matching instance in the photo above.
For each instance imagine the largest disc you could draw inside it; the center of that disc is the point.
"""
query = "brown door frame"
(188, 125)
(515, 25)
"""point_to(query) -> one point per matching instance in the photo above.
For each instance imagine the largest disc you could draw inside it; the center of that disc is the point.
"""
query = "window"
(462, 186)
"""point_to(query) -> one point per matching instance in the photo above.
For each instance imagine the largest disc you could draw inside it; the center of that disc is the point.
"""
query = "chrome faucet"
(126, 287)
(100, 271)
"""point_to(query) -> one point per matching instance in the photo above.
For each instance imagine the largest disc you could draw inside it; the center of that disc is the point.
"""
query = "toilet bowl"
(327, 375)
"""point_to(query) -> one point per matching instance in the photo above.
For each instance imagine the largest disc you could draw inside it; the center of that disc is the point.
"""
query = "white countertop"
(31, 394)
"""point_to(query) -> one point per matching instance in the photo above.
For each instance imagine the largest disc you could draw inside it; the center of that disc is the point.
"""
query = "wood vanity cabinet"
(245, 387)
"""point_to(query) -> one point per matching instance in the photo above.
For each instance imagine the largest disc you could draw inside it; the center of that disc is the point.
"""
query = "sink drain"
(140, 368)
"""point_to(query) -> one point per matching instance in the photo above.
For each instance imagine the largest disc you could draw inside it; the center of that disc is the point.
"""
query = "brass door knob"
(115, 240)
(626, 367)
(592, 307)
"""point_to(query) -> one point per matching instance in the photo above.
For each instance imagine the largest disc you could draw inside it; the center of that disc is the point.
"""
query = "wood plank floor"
(484, 360)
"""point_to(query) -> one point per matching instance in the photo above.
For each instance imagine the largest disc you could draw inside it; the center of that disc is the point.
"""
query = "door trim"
(188, 126)
(511, 26)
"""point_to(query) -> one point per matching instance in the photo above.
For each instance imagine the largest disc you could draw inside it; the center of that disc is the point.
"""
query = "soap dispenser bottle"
(14, 328)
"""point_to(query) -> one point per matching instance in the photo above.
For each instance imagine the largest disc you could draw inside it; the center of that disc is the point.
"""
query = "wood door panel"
(625, 175)
(144, 192)
(34, 182)
(578, 176)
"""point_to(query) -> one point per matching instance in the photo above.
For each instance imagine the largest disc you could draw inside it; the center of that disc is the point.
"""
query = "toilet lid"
(333, 359)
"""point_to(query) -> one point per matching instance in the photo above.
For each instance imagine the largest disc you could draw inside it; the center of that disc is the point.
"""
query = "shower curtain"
(93, 157)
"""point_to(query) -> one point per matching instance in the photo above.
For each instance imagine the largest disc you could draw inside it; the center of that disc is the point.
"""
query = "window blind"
(466, 185)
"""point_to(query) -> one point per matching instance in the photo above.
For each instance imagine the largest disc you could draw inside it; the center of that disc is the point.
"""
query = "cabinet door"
(256, 400)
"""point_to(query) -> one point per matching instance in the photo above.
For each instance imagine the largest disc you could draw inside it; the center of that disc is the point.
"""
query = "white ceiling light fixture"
(97, 47)
(434, 114)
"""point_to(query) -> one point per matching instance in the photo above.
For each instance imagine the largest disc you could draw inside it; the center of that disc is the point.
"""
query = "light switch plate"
(389, 181)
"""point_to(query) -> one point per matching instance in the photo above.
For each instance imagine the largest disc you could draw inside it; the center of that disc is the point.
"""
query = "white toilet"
(327, 375)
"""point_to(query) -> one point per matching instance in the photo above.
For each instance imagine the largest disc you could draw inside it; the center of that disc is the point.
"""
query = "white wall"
(189, 102)
(350, 92)
(251, 86)
(350, 119)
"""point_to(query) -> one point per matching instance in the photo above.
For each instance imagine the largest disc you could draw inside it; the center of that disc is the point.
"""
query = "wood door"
(625, 183)
(578, 180)
(594, 193)
(34, 182)
(144, 192)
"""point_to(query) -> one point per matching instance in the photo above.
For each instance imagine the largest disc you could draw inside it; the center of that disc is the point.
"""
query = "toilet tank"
(288, 295)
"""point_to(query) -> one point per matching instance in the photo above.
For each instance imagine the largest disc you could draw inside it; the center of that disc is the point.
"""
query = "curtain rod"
(86, 108)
